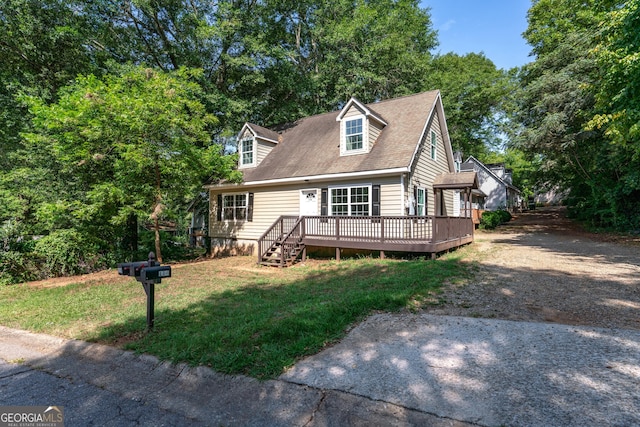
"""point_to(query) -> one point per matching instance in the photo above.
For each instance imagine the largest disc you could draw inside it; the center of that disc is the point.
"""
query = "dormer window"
(360, 127)
(353, 134)
(247, 152)
(254, 143)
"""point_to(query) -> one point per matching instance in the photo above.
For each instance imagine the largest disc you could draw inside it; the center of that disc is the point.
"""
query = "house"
(496, 183)
(370, 176)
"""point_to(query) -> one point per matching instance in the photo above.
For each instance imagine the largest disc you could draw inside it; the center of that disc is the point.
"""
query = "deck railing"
(370, 228)
(403, 233)
(451, 227)
(276, 232)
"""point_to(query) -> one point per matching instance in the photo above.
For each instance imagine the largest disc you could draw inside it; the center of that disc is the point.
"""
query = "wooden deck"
(425, 234)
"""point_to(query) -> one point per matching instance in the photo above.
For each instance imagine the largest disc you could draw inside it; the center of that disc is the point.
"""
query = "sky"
(494, 27)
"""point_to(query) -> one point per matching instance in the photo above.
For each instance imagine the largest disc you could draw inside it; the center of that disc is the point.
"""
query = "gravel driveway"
(540, 267)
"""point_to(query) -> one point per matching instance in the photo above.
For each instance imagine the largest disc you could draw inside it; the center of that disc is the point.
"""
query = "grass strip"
(235, 318)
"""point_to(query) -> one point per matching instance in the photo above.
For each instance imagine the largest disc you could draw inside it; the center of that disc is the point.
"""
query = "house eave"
(312, 178)
(362, 107)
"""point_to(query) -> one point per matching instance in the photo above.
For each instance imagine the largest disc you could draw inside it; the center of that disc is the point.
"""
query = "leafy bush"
(17, 264)
(67, 252)
(492, 219)
(174, 247)
(17, 267)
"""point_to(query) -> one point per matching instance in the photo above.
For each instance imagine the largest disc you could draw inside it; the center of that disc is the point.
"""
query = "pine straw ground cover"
(230, 314)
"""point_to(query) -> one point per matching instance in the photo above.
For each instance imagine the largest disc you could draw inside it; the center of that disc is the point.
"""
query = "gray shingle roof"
(311, 146)
(264, 133)
(456, 180)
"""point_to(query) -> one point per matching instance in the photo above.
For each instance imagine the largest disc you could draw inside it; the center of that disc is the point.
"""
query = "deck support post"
(381, 254)
(304, 254)
(337, 254)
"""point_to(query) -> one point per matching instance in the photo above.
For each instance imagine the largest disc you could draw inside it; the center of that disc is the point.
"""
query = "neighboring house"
(362, 177)
(552, 197)
(496, 183)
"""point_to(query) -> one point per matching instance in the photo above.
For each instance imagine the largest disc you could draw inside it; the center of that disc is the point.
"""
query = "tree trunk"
(158, 251)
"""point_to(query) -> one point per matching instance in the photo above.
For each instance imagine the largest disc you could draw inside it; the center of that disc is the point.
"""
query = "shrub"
(492, 219)
(17, 267)
(17, 264)
(505, 216)
(67, 252)
(174, 247)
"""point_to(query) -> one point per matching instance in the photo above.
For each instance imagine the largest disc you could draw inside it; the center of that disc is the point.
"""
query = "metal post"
(149, 289)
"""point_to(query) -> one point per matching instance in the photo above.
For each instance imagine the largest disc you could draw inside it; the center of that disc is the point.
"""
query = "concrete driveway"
(486, 372)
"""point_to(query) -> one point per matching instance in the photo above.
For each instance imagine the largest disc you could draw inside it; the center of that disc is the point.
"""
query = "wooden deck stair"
(282, 243)
(282, 253)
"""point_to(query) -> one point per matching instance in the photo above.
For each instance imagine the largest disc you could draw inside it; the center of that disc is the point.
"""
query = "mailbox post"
(148, 273)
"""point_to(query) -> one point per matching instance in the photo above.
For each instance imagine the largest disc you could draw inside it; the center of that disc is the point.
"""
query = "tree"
(43, 45)
(125, 146)
(558, 102)
(618, 109)
(473, 91)
(373, 50)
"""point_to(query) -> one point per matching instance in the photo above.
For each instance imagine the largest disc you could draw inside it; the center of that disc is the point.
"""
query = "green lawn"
(230, 314)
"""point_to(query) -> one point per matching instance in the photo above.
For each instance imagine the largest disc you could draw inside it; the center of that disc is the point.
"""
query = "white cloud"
(447, 25)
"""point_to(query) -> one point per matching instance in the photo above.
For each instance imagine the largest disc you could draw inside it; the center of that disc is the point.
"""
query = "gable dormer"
(359, 128)
(254, 143)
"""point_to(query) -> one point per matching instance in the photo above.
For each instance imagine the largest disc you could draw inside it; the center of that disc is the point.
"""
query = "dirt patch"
(543, 267)
(100, 277)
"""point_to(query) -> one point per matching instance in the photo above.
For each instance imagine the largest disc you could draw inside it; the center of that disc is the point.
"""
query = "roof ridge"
(402, 97)
(284, 125)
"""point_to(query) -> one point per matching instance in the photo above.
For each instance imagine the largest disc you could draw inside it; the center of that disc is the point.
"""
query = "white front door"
(308, 202)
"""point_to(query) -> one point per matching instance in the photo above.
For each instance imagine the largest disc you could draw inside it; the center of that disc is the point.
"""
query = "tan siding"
(271, 202)
(268, 205)
(353, 111)
(374, 131)
(391, 200)
(264, 148)
(426, 169)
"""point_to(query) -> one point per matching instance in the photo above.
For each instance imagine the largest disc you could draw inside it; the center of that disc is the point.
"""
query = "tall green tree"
(618, 110)
(559, 100)
(374, 50)
(125, 146)
(473, 92)
(43, 46)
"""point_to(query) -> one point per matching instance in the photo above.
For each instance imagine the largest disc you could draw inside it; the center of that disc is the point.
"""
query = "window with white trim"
(434, 145)
(351, 201)
(234, 207)
(421, 202)
(354, 136)
(247, 152)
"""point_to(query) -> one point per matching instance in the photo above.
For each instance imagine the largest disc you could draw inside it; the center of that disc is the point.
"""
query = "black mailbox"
(148, 273)
(131, 268)
(156, 273)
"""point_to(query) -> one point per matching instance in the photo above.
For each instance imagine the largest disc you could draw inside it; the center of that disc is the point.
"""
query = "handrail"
(285, 245)
(273, 234)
